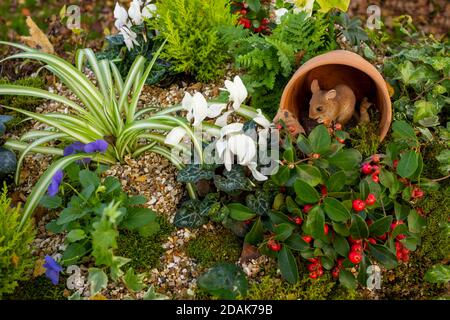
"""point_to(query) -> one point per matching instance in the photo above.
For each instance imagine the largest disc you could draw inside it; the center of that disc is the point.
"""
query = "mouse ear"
(330, 94)
(315, 86)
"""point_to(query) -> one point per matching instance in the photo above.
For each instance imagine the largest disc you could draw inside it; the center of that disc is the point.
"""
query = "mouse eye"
(319, 109)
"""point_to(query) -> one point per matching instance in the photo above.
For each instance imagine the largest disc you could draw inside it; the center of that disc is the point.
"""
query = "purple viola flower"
(96, 146)
(73, 148)
(52, 269)
(53, 188)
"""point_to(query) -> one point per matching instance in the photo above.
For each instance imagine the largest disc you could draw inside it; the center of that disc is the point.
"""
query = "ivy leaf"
(98, 280)
(408, 164)
(287, 265)
(305, 192)
(402, 130)
(151, 294)
(76, 235)
(225, 280)
(133, 281)
(335, 210)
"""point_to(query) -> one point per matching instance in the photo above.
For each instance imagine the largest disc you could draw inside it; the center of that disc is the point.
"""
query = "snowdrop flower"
(135, 12)
(148, 10)
(279, 13)
(121, 16)
(238, 91)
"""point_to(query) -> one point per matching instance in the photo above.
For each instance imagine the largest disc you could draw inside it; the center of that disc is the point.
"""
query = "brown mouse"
(336, 105)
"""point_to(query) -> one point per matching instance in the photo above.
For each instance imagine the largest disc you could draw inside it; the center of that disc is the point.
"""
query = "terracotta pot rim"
(350, 59)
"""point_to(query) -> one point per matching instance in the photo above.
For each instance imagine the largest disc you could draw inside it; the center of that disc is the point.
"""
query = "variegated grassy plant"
(107, 110)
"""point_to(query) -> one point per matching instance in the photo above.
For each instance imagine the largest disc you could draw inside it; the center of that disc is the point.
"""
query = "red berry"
(265, 21)
(247, 222)
(400, 237)
(306, 208)
(356, 248)
(376, 170)
(335, 272)
(313, 267)
(323, 190)
(320, 271)
(342, 141)
(315, 156)
(382, 237)
(395, 164)
(420, 211)
(372, 241)
(396, 223)
(355, 257)
(399, 255)
(338, 126)
(340, 261)
(298, 220)
(273, 245)
(366, 168)
(353, 241)
(376, 158)
(245, 22)
(326, 229)
(358, 205)
(313, 260)
(405, 250)
(279, 126)
(243, 12)
(307, 239)
(313, 275)
(417, 193)
(371, 199)
(375, 178)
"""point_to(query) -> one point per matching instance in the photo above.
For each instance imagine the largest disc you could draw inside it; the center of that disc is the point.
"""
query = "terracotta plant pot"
(331, 69)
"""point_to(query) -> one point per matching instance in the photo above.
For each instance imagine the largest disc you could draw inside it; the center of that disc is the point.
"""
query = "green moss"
(275, 288)
(435, 244)
(406, 282)
(210, 248)
(144, 252)
(365, 138)
(429, 153)
(21, 102)
(39, 288)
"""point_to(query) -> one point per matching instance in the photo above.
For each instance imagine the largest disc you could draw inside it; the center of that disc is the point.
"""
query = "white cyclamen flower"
(148, 10)
(279, 13)
(121, 16)
(198, 109)
(129, 37)
(135, 12)
(238, 91)
(261, 120)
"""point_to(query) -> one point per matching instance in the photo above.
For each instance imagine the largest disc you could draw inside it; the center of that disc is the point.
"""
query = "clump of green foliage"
(39, 288)
(419, 74)
(365, 138)
(270, 61)
(15, 251)
(144, 252)
(210, 248)
(274, 288)
(436, 242)
(21, 102)
(192, 30)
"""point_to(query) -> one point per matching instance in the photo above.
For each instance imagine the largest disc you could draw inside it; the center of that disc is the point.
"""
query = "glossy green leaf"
(288, 265)
(335, 210)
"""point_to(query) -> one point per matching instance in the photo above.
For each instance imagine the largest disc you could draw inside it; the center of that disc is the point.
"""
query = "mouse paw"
(363, 110)
(292, 124)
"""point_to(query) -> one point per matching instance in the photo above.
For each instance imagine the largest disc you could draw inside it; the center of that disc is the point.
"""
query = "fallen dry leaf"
(37, 38)
(39, 268)
(98, 296)
(15, 260)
